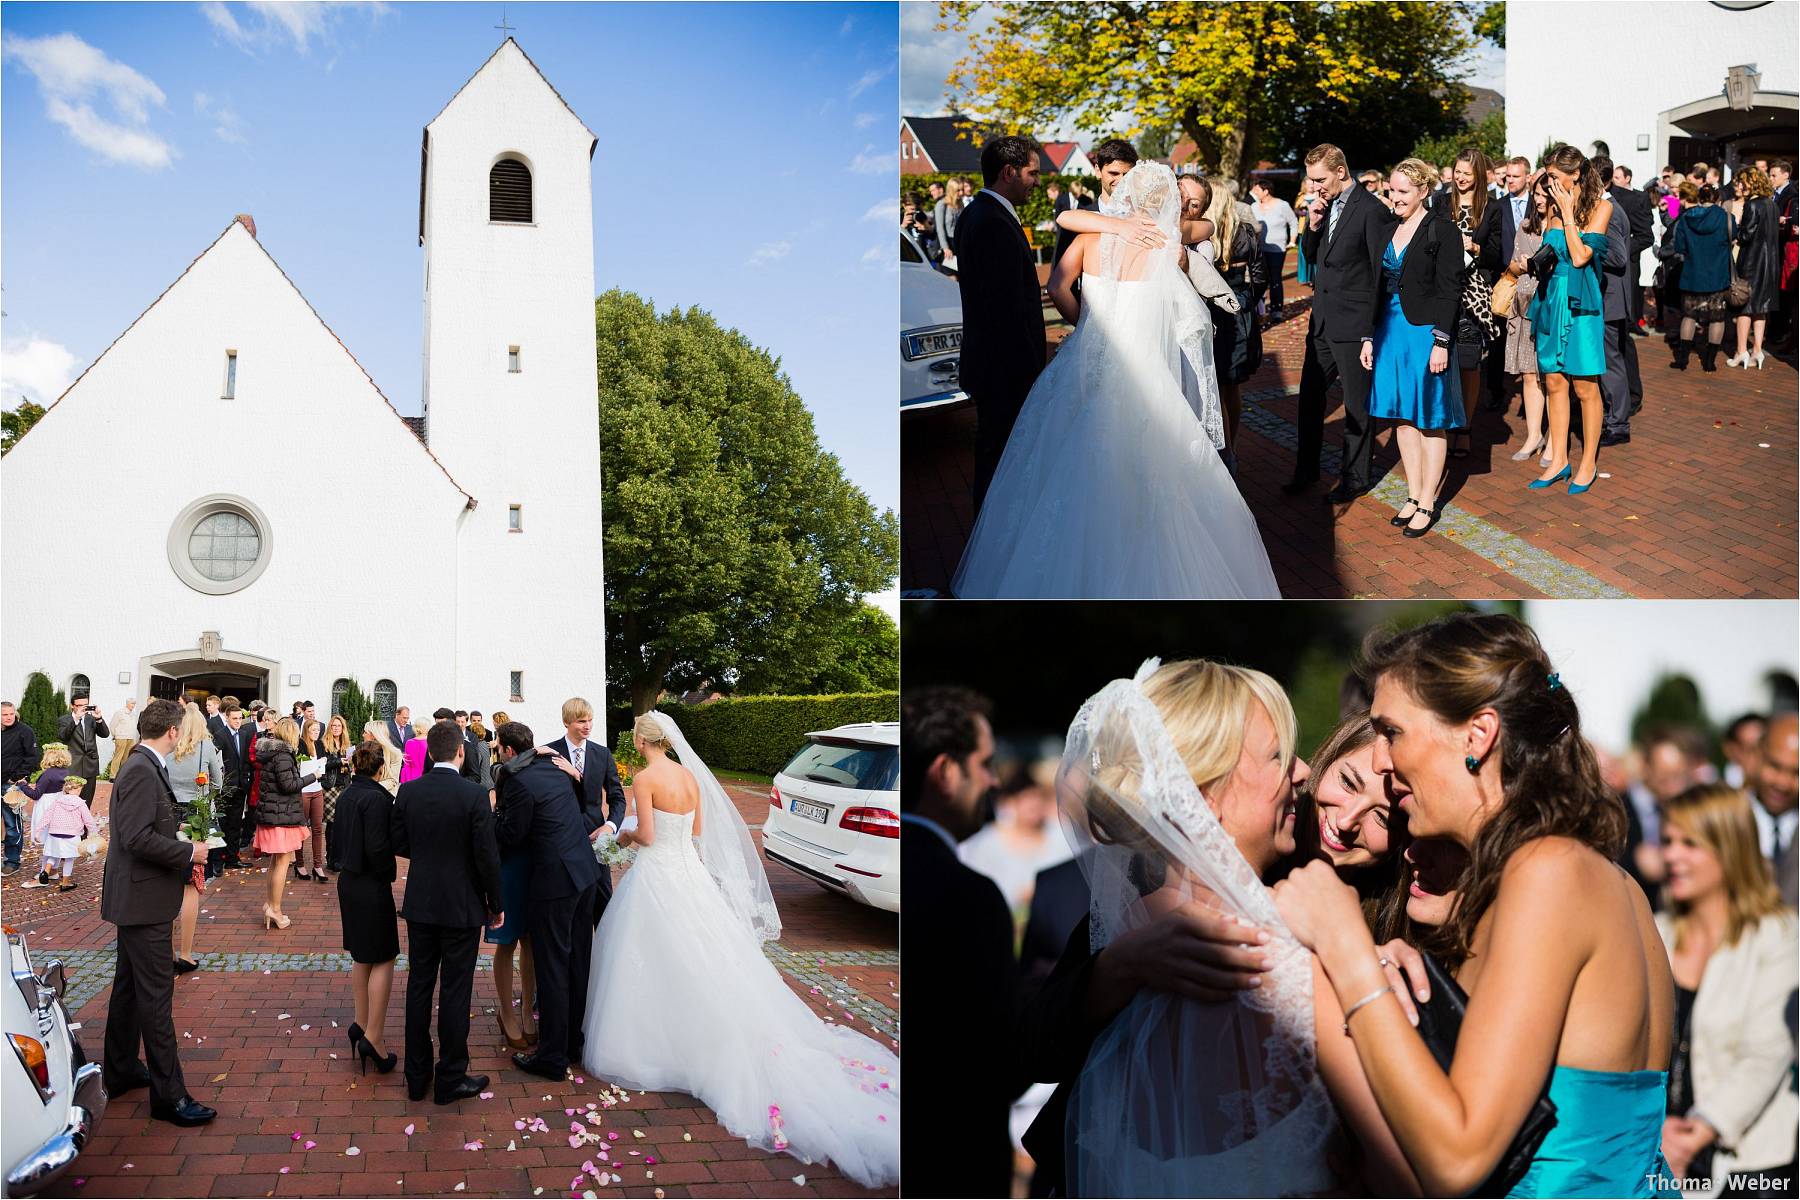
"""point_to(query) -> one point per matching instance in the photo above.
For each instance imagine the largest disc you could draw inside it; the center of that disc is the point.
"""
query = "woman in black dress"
(366, 900)
(1759, 263)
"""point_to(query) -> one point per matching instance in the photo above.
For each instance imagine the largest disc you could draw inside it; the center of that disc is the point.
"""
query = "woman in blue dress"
(1568, 983)
(1567, 316)
(1409, 357)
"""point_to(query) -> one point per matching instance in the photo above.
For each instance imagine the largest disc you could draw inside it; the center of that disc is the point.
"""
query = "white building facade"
(233, 549)
(1648, 77)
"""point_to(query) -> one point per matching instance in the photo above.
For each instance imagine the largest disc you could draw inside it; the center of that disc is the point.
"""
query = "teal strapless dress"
(1607, 1140)
(1568, 320)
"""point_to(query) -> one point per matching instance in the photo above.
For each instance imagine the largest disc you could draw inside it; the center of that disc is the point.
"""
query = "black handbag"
(1440, 1021)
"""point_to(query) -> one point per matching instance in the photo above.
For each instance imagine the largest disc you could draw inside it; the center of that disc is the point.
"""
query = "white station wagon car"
(52, 1094)
(930, 332)
(834, 813)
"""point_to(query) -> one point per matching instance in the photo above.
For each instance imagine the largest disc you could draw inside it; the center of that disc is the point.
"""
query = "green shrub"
(356, 708)
(1034, 211)
(759, 734)
(42, 707)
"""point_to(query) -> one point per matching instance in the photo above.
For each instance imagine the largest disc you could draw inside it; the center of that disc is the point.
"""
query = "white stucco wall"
(532, 438)
(1576, 72)
(91, 493)
(1611, 652)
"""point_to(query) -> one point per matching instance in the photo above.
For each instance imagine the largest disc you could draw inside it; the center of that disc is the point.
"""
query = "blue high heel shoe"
(1575, 489)
(1538, 484)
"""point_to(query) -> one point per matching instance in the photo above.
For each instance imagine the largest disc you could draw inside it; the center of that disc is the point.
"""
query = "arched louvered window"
(509, 192)
(339, 689)
(386, 697)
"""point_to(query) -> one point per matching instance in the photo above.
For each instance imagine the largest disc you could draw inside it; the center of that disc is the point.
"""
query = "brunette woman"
(337, 776)
(366, 901)
(1482, 743)
(1477, 219)
(1567, 318)
(1521, 346)
(1703, 238)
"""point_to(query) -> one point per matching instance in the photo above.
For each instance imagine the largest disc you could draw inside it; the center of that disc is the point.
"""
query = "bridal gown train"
(1110, 487)
(680, 998)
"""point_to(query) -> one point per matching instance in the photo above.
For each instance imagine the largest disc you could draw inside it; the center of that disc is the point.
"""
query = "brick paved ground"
(260, 1022)
(1701, 503)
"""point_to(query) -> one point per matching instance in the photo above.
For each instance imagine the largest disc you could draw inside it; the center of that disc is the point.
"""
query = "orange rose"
(200, 779)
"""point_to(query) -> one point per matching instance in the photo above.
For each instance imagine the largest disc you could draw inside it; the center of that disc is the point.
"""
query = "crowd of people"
(1434, 286)
(1433, 844)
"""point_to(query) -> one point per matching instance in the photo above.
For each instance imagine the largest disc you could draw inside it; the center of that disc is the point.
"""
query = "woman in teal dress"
(1567, 316)
(1482, 744)
(1303, 267)
(1410, 382)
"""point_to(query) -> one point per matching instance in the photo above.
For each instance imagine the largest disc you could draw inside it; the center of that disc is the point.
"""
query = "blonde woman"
(338, 748)
(414, 750)
(195, 764)
(312, 801)
(1758, 262)
(280, 817)
(391, 757)
(1732, 1106)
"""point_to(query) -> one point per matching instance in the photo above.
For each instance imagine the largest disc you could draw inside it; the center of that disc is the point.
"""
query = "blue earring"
(1471, 762)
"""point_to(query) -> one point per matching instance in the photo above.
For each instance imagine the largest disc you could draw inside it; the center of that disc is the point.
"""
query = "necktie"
(1331, 218)
(579, 753)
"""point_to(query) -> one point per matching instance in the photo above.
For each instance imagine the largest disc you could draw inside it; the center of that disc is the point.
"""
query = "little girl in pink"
(62, 819)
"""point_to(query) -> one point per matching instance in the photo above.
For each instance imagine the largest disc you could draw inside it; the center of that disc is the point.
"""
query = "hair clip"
(1555, 681)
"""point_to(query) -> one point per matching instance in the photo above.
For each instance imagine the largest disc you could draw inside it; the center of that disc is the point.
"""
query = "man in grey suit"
(1618, 277)
(81, 732)
(400, 727)
(147, 868)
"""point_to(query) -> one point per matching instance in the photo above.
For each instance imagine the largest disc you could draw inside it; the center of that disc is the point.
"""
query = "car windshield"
(844, 763)
(908, 251)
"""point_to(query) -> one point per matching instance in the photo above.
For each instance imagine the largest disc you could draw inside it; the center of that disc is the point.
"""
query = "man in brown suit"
(146, 869)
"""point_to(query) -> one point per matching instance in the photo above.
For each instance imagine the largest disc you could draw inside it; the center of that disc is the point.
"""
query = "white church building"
(449, 560)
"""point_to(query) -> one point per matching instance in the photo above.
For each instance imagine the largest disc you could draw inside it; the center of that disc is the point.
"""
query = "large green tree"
(16, 422)
(1245, 82)
(735, 546)
(864, 656)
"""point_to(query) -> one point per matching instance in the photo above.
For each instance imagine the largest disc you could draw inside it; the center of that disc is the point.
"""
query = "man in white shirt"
(124, 731)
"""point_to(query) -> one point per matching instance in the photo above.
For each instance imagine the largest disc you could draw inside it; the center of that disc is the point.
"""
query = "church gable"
(231, 360)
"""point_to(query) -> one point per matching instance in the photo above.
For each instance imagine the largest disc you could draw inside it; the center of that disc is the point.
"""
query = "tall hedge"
(1036, 209)
(356, 708)
(759, 734)
(42, 707)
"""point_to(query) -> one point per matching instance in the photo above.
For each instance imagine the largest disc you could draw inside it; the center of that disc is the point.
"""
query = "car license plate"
(812, 812)
(941, 341)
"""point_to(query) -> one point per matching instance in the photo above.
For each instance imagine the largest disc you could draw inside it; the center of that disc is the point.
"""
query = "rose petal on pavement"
(353, 1151)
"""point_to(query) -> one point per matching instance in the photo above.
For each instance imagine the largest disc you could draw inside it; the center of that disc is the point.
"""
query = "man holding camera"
(81, 732)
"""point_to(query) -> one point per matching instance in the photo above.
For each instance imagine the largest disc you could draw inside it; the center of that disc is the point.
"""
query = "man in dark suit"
(441, 822)
(399, 727)
(1620, 387)
(81, 732)
(1782, 330)
(602, 795)
(147, 869)
(1346, 232)
(958, 941)
(539, 807)
(230, 738)
(1643, 236)
(1003, 346)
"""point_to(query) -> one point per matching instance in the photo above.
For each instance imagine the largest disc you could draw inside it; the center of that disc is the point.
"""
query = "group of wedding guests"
(1428, 853)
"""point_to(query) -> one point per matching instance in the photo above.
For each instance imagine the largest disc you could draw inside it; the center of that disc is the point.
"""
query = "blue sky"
(746, 165)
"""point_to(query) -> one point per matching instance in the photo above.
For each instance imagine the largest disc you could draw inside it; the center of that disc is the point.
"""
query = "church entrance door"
(210, 669)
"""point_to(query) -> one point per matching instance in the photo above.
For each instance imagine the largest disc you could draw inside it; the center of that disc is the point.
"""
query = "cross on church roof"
(503, 27)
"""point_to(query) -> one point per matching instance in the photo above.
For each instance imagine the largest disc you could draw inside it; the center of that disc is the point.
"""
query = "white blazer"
(1741, 1045)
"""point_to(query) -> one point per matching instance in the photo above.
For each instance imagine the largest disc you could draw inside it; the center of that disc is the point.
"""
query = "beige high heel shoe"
(275, 920)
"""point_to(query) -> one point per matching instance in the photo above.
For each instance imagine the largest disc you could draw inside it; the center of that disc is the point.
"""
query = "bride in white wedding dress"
(1111, 486)
(681, 998)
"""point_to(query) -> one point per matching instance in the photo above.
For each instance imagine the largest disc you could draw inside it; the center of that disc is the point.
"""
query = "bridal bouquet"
(609, 853)
(201, 824)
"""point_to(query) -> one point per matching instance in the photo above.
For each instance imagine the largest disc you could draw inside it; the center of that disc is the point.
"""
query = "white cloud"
(885, 211)
(847, 26)
(864, 120)
(267, 23)
(926, 56)
(869, 79)
(227, 126)
(869, 161)
(35, 368)
(769, 252)
(875, 254)
(73, 76)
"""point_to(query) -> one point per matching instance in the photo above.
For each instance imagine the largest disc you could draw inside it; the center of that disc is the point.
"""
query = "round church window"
(219, 544)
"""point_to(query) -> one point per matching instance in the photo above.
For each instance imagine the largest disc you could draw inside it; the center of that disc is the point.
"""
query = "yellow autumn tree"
(1242, 81)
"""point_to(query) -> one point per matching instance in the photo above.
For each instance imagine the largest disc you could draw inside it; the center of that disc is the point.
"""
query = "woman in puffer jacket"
(280, 817)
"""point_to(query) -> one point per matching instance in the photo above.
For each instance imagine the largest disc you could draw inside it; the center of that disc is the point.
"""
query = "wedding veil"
(725, 843)
(1177, 1097)
(1149, 190)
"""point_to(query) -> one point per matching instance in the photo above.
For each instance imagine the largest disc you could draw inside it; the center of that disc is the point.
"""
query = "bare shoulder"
(1553, 862)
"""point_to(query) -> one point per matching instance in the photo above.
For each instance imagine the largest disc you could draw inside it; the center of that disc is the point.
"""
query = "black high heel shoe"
(356, 1034)
(365, 1053)
(1399, 520)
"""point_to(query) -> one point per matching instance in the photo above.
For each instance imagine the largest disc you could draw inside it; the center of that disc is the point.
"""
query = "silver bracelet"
(1368, 999)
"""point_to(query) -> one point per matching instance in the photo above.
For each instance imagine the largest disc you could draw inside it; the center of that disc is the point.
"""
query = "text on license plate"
(812, 812)
(936, 343)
